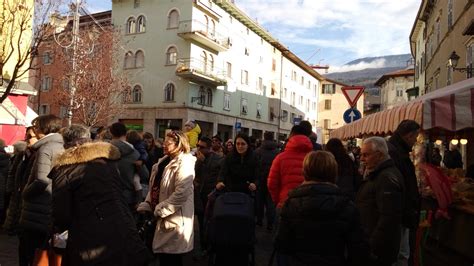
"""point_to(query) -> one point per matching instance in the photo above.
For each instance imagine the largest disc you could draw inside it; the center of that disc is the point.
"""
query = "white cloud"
(357, 27)
(378, 63)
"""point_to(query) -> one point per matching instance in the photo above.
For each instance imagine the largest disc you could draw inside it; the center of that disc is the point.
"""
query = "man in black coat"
(452, 157)
(266, 153)
(399, 147)
(207, 168)
(126, 164)
(380, 201)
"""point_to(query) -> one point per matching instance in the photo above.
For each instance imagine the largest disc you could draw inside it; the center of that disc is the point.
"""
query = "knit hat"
(190, 123)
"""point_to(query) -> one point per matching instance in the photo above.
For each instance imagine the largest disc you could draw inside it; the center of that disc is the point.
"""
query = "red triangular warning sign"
(352, 94)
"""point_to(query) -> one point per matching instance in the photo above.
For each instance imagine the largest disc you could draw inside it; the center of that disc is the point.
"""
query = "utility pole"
(75, 38)
(279, 97)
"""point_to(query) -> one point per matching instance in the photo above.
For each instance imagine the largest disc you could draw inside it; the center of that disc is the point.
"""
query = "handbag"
(47, 257)
(146, 228)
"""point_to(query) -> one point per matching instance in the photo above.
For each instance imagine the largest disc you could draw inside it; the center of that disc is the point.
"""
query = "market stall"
(446, 117)
(450, 108)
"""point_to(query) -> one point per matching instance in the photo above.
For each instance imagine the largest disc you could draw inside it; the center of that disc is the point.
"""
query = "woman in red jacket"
(286, 172)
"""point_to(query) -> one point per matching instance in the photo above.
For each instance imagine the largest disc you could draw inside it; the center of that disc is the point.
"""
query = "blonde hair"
(181, 140)
(320, 166)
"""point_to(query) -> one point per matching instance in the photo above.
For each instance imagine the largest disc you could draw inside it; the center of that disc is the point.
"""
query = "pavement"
(263, 250)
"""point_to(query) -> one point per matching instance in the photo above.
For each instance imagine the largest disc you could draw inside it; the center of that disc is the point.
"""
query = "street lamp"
(73, 45)
(453, 63)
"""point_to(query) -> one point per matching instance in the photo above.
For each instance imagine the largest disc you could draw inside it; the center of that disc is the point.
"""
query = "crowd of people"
(123, 197)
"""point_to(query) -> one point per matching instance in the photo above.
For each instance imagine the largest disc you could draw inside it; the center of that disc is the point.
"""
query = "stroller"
(231, 230)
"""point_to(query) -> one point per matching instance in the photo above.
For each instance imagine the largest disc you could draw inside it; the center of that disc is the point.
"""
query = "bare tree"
(22, 31)
(99, 89)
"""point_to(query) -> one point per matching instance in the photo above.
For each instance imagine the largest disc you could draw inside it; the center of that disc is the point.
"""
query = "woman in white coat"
(171, 200)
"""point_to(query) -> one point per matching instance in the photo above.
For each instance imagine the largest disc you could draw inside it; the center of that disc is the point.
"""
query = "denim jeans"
(404, 252)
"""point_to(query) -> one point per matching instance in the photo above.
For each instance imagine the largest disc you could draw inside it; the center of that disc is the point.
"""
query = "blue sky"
(330, 32)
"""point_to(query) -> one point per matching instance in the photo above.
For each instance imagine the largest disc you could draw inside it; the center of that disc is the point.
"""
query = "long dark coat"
(21, 168)
(36, 195)
(400, 153)
(380, 203)
(320, 226)
(238, 172)
(88, 201)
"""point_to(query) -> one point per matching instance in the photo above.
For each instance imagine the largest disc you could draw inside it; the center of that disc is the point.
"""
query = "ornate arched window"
(202, 96)
(129, 60)
(206, 21)
(210, 63)
(209, 96)
(171, 56)
(139, 59)
(204, 61)
(141, 24)
(173, 19)
(137, 94)
(130, 28)
(212, 30)
(169, 92)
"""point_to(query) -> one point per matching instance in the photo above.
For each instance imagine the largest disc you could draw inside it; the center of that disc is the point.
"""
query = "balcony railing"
(205, 34)
(198, 71)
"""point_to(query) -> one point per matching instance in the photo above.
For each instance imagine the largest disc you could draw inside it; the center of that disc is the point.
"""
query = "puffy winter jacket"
(87, 201)
(193, 136)
(286, 172)
(319, 226)
(36, 209)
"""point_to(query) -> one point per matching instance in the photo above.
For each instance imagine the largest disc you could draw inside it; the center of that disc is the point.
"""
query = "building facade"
(417, 48)
(16, 40)
(49, 79)
(393, 87)
(208, 61)
(443, 28)
(331, 108)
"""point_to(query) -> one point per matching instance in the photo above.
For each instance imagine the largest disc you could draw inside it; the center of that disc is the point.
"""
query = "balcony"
(198, 71)
(204, 34)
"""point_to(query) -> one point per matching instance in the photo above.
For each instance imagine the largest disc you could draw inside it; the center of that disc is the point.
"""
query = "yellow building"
(332, 105)
(16, 32)
(16, 21)
(443, 29)
(393, 87)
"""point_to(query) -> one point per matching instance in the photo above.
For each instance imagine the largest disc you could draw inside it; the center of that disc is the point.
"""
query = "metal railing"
(196, 65)
(207, 30)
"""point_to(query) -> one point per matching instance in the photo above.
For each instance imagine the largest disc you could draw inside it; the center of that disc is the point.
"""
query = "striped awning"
(450, 108)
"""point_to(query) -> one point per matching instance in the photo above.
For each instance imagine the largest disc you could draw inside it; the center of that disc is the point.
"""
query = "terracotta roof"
(398, 73)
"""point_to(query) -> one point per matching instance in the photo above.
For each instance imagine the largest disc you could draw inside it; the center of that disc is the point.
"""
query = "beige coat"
(175, 210)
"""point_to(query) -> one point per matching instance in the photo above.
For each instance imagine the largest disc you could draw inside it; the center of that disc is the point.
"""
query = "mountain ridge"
(367, 75)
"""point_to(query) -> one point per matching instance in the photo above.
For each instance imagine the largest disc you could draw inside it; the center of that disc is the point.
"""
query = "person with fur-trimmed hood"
(88, 202)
